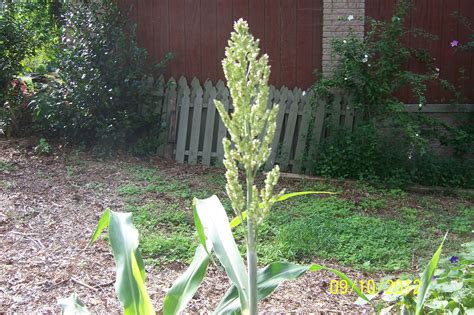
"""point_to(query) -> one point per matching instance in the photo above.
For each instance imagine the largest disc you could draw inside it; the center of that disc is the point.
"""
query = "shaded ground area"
(49, 207)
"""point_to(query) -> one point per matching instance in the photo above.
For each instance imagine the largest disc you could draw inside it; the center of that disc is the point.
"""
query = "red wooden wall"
(435, 16)
(197, 31)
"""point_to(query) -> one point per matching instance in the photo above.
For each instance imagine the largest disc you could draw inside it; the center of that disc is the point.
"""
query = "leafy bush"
(28, 37)
(107, 94)
(15, 117)
(389, 157)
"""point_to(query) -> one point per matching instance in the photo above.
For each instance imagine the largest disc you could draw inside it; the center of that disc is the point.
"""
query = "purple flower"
(434, 278)
(454, 259)
(454, 43)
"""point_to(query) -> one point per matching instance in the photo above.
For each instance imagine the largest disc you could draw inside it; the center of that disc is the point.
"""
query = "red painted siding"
(197, 31)
(435, 17)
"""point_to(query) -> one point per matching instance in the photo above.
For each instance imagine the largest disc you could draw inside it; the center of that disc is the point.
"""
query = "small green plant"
(43, 147)
(6, 167)
(130, 189)
(445, 287)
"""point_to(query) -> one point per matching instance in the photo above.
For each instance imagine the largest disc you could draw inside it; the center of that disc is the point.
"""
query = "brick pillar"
(337, 21)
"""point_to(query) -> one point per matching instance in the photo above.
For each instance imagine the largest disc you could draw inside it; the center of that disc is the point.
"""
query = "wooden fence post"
(183, 95)
(196, 103)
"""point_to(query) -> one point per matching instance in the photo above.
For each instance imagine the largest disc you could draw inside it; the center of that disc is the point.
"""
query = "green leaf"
(217, 230)
(302, 193)
(124, 240)
(103, 223)
(237, 221)
(200, 229)
(145, 307)
(72, 306)
(186, 285)
(427, 278)
(270, 277)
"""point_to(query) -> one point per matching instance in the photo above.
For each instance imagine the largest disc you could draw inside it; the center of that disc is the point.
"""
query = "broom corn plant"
(251, 128)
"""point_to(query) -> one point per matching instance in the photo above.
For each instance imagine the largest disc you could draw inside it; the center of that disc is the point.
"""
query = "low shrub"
(389, 157)
(107, 94)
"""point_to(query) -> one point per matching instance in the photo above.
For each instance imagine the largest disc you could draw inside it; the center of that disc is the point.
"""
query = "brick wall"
(339, 16)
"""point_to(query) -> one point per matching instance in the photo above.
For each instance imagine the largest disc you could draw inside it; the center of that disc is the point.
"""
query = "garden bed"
(49, 207)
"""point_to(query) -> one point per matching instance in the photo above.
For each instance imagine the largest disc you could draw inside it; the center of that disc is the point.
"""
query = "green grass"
(378, 230)
(130, 189)
(330, 228)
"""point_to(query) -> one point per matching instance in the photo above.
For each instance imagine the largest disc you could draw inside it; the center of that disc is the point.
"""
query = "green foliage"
(446, 287)
(6, 167)
(130, 283)
(28, 37)
(15, 116)
(176, 246)
(43, 147)
(464, 223)
(330, 228)
(130, 189)
(388, 144)
(389, 158)
(107, 95)
(374, 68)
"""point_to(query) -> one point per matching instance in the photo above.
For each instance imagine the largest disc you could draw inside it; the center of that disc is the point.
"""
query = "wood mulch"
(47, 216)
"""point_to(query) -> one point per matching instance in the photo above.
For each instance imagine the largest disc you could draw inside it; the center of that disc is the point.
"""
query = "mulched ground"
(48, 210)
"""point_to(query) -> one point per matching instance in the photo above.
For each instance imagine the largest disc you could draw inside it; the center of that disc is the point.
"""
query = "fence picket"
(183, 96)
(223, 96)
(210, 118)
(317, 132)
(280, 98)
(349, 113)
(193, 135)
(303, 133)
(336, 110)
(293, 101)
(170, 118)
(197, 100)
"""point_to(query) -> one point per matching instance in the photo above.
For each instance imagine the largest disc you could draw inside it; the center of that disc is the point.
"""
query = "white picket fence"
(194, 129)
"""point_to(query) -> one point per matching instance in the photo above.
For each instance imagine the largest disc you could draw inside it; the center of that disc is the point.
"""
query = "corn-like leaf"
(237, 220)
(103, 223)
(130, 271)
(217, 230)
(72, 306)
(186, 285)
(269, 278)
(124, 240)
(184, 288)
(428, 277)
(145, 306)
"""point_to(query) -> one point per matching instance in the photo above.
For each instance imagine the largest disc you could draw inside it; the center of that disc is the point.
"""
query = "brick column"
(338, 17)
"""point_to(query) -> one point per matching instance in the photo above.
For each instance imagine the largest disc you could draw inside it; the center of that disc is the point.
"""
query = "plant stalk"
(251, 250)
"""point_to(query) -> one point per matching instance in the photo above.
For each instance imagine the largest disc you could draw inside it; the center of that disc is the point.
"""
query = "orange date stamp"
(370, 286)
